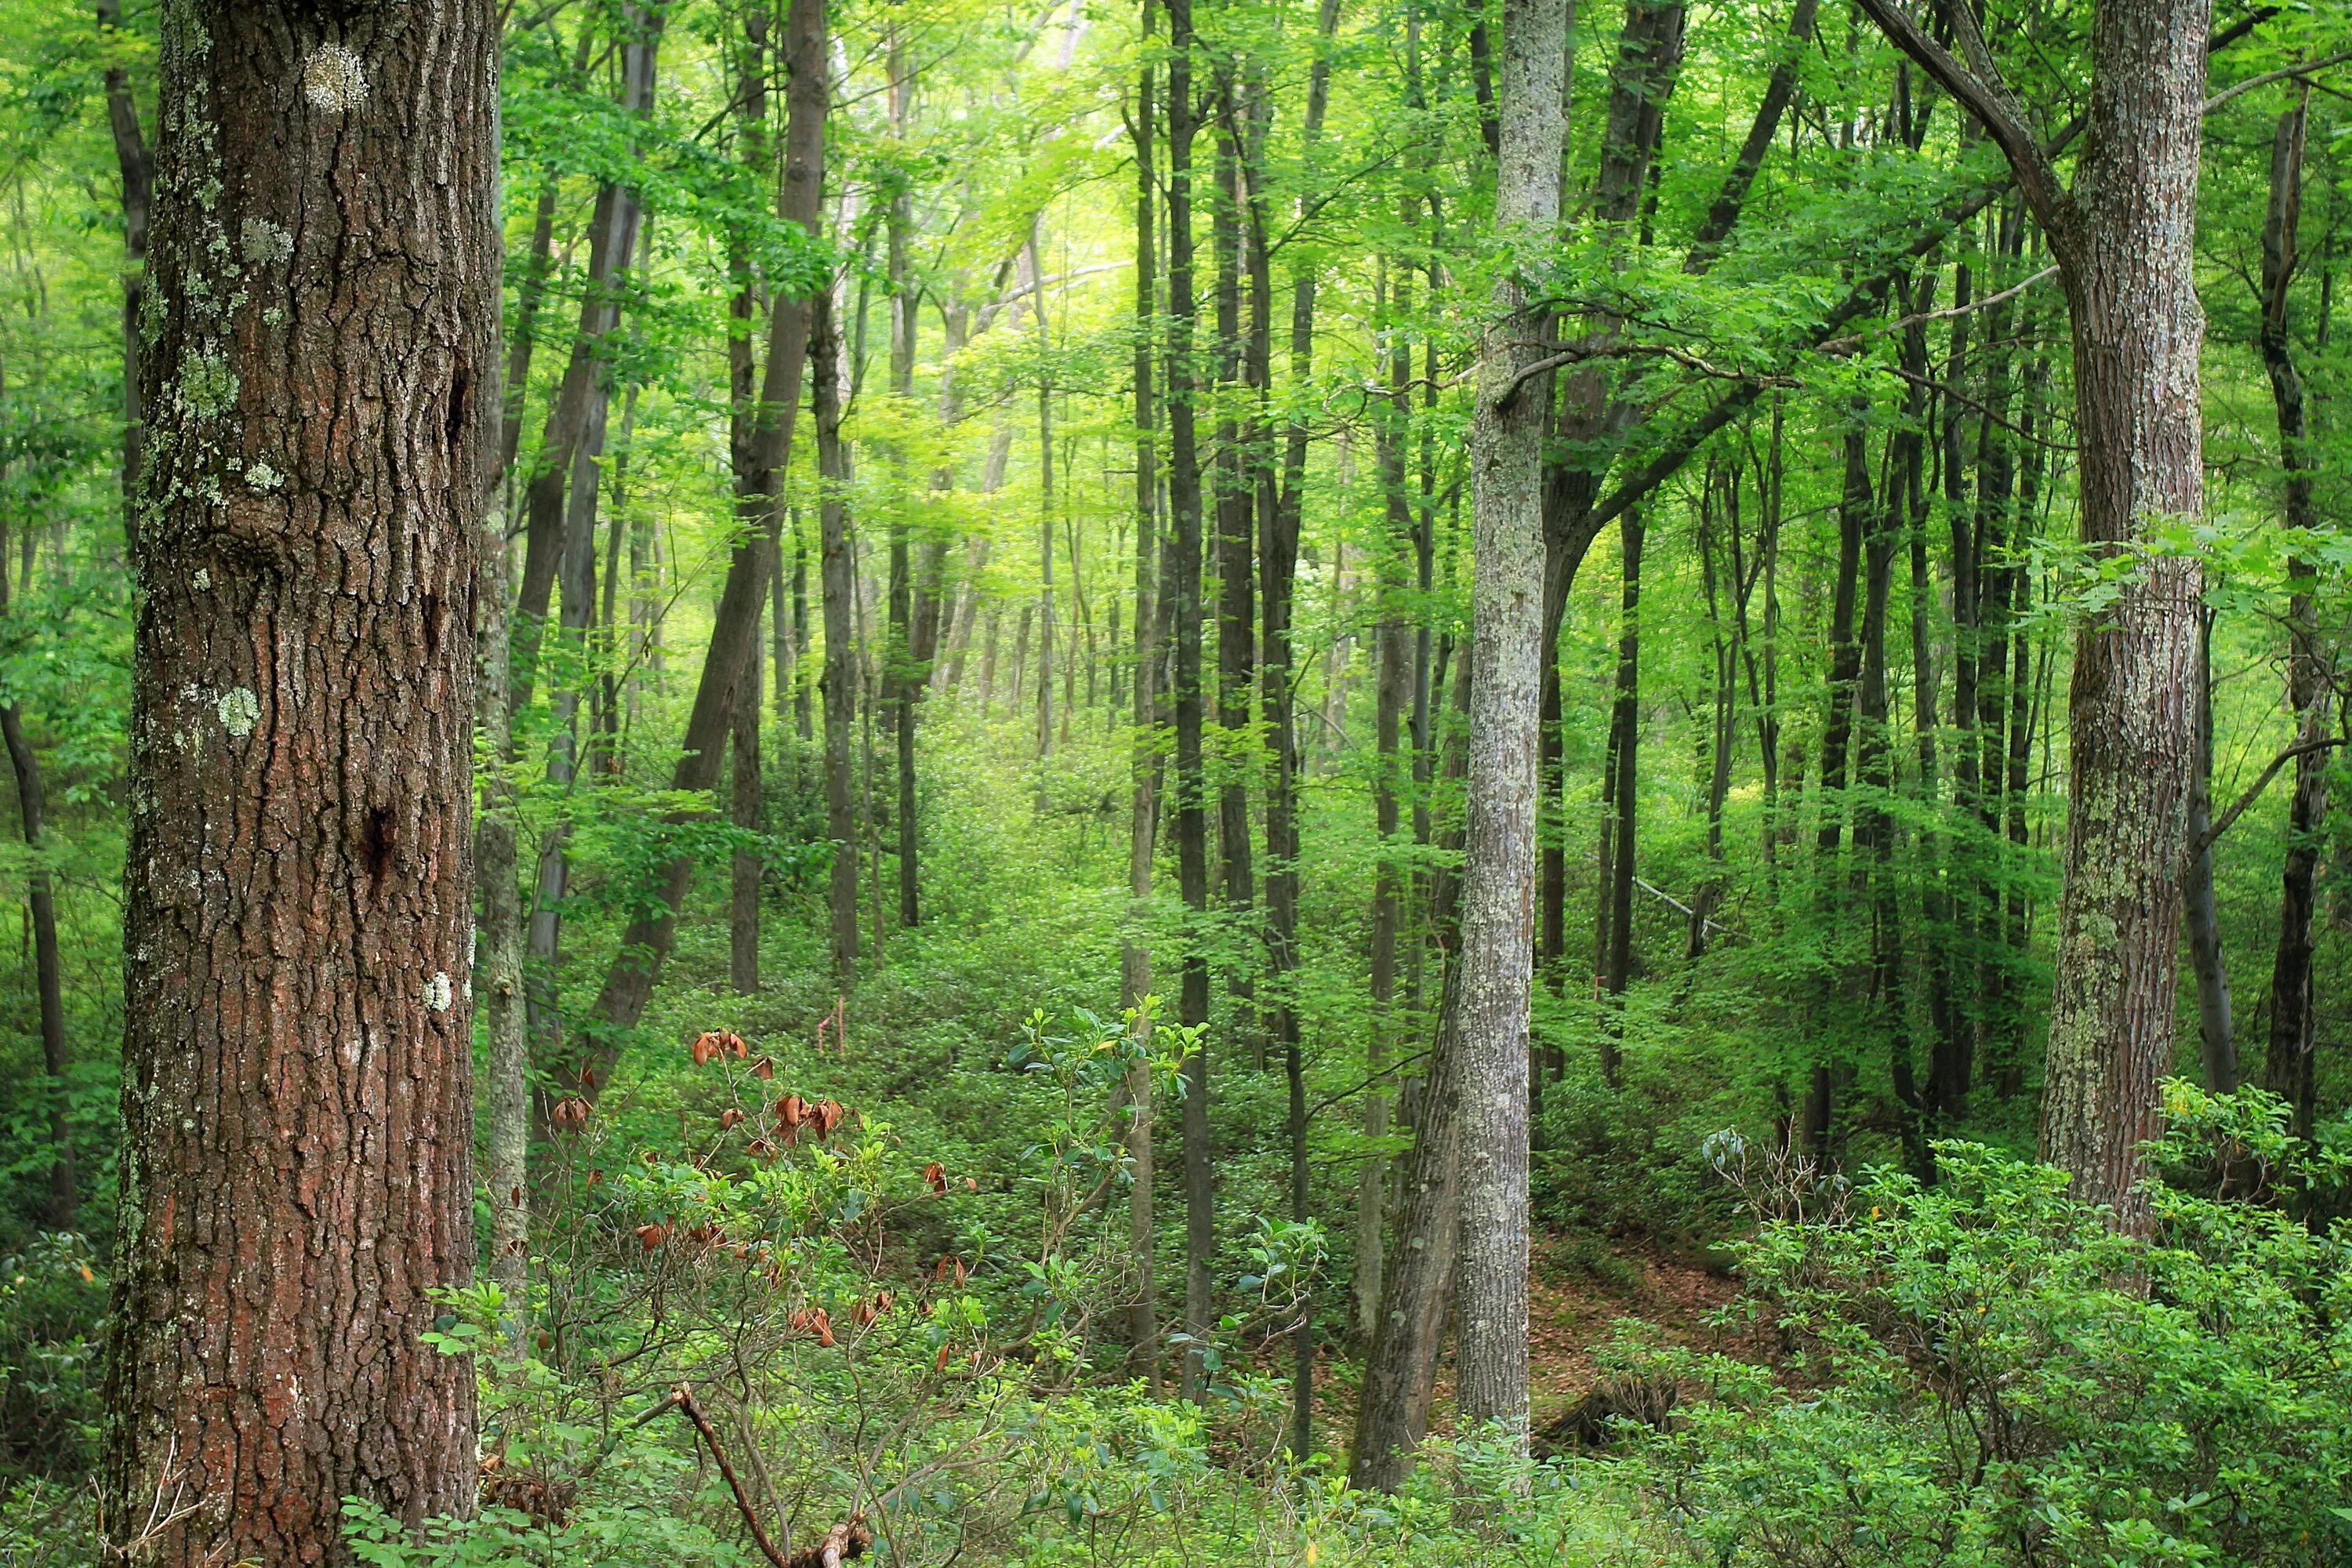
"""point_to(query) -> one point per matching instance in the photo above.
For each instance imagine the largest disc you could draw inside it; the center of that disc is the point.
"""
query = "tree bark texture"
(296, 1170)
(1507, 622)
(2123, 236)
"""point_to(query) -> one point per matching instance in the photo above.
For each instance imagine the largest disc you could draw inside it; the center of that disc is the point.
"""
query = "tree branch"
(1983, 94)
(2254, 792)
(2282, 74)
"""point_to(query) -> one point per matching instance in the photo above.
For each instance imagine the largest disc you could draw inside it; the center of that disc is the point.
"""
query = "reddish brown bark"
(322, 337)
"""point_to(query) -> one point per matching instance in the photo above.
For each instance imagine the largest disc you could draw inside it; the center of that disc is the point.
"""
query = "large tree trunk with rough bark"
(2123, 237)
(297, 1107)
(1507, 622)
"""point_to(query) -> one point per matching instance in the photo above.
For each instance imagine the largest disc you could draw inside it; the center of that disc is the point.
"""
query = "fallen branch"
(845, 1540)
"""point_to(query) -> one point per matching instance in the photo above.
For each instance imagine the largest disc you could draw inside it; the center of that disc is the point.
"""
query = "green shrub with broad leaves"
(1980, 1371)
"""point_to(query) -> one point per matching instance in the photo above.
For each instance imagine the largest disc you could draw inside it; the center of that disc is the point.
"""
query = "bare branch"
(2254, 792)
(2296, 71)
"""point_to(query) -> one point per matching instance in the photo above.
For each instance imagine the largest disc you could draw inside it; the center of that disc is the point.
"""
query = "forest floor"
(1580, 1290)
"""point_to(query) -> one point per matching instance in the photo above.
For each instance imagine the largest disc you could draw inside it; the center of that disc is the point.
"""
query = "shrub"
(1980, 1371)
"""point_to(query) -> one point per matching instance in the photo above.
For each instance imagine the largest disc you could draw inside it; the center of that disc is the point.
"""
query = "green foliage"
(52, 1296)
(1982, 1370)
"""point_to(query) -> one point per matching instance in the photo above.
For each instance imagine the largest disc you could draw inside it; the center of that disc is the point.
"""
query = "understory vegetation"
(977, 837)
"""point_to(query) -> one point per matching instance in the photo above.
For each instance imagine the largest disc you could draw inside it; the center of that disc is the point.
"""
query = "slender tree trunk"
(1278, 536)
(1394, 642)
(1401, 1366)
(40, 907)
(137, 169)
(40, 900)
(2217, 1037)
(1143, 811)
(580, 396)
(1624, 758)
(1183, 601)
(1506, 620)
(2287, 1069)
(908, 675)
(744, 863)
(618, 214)
(530, 290)
(841, 679)
(1236, 613)
(297, 1100)
(498, 946)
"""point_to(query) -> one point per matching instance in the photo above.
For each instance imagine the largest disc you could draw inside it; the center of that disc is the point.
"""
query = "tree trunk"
(1624, 757)
(1401, 1366)
(2287, 1069)
(1236, 614)
(1507, 621)
(840, 681)
(1278, 537)
(40, 900)
(579, 395)
(2217, 1039)
(498, 946)
(744, 864)
(297, 1101)
(1183, 601)
(1143, 811)
(1393, 645)
(41, 904)
(137, 169)
(2123, 238)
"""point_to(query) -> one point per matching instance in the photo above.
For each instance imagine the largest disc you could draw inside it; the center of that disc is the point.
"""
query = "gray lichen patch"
(241, 711)
(208, 387)
(263, 242)
(334, 80)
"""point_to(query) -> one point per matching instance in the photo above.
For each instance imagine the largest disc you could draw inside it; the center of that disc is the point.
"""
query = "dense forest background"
(994, 1088)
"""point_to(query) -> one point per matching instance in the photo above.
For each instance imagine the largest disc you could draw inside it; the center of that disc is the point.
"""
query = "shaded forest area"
(1392, 782)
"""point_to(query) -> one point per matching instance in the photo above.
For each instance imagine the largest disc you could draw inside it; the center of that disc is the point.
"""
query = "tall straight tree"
(2310, 680)
(841, 679)
(2122, 236)
(1181, 596)
(1507, 624)
(41, 909)
(297, 1100)
(1143, 766)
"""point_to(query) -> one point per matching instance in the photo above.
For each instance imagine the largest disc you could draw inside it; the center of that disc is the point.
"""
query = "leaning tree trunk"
(1507, 623)
(735, 628)
(297, 1106)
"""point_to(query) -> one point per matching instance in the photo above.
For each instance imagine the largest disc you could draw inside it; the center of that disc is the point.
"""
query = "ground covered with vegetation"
(971, 920)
